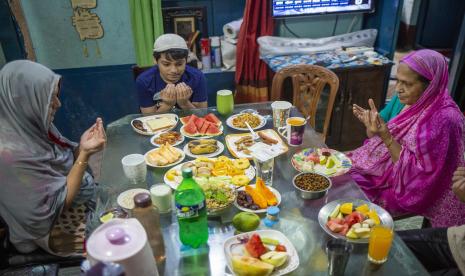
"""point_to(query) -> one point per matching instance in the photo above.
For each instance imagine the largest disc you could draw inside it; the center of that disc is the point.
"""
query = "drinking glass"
(161, 197)
(265, 170)
(224, 102)
(379, 244)
(338, 251)
(134, 167)
(281, 111)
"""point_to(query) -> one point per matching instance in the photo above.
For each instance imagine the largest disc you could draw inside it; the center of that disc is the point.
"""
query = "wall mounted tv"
(291, 8)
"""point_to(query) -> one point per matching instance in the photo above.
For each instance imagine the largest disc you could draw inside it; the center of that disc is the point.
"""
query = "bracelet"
(390, 142)
(82, 163)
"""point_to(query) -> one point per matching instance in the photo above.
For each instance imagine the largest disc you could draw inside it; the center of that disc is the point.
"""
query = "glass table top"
(298, 217)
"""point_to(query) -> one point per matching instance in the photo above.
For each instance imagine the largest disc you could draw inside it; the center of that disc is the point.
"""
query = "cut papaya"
(266, 192)
(256, 197)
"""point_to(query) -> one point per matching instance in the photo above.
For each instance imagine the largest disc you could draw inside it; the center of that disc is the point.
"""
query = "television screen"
(282, 8)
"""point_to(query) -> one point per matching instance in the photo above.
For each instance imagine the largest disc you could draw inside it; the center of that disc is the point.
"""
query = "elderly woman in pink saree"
(407, 164)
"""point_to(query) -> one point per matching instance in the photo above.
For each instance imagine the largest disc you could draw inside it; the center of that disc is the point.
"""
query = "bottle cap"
(187, 173)
(215, 41)
(272, 210)
(142, 200)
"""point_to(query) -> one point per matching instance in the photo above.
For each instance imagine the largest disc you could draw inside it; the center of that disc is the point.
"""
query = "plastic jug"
(122, 241)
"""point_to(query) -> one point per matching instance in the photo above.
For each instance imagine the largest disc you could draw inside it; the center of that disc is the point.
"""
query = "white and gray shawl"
(33, 169)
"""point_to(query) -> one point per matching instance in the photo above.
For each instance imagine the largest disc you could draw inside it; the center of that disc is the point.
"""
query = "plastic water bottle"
(191, 211)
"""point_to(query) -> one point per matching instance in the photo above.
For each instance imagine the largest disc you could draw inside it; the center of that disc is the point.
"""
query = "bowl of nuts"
(311, 185)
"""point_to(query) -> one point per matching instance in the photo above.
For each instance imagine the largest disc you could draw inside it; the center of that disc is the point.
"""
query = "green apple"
(248, 266)
(335, 211)
(246, 221)
(275, 258)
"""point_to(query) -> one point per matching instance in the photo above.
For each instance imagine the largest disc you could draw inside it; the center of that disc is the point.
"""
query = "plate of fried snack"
(239, 144)
(155, 124)
(164, 156)
(171, 137)
(203, 147)
(238, 121)
(237, 172)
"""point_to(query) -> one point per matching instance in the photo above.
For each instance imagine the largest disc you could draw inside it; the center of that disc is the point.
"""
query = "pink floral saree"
(431, 135)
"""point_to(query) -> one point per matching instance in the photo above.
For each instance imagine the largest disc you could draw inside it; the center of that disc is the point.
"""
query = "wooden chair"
(136, 70)
(308, 81)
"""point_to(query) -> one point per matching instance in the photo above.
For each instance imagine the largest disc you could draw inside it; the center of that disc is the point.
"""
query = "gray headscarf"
(33, 169)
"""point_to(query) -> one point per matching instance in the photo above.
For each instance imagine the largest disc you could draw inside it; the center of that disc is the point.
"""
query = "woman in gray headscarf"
(43, 175)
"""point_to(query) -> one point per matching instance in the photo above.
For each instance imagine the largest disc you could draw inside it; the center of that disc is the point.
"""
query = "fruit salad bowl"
(371, 212)
(275, 246)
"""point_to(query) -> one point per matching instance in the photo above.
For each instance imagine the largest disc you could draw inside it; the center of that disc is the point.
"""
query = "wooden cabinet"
(356, 86)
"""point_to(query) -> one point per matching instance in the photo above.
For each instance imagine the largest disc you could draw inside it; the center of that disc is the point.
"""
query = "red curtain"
(251, 72)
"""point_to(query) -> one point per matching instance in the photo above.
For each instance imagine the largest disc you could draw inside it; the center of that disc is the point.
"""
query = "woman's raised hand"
(93, 140)
(360, 113)
(376, 124)
(371, 119)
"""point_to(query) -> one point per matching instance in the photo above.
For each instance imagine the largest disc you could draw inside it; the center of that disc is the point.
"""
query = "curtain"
(251, 72)
(147, 25)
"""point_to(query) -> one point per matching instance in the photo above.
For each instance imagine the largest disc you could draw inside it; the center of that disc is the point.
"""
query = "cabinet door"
(362, 84)
(333, 139)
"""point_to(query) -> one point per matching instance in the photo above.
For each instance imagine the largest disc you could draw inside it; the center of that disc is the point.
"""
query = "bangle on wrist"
(82, 163)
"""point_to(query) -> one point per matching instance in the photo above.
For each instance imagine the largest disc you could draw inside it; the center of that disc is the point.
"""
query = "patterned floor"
(408, 223)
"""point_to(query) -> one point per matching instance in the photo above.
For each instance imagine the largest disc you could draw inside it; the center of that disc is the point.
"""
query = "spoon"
(255, 137)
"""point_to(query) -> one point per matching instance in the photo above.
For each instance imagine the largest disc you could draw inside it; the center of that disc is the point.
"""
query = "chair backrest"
(136, 70)
(308, 81)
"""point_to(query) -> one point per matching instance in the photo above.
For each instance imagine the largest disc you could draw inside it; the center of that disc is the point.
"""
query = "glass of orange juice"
(379, 244)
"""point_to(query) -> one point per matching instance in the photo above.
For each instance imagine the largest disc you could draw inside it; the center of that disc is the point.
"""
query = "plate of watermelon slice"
(197, 127)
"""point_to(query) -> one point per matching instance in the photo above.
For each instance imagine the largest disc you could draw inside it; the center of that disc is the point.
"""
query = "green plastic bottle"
(191, 211)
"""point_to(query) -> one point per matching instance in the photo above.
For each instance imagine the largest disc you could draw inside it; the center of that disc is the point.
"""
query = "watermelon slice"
(206, 125)
(255, 246)
(184, 120)
(190, 129)
(213, 119)
(199, 122)
(192, 119)
(213, 130)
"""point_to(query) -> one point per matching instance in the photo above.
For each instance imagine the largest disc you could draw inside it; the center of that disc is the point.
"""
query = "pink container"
(122, 241)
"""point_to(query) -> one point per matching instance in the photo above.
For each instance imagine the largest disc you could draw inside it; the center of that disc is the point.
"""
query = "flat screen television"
(291, 8)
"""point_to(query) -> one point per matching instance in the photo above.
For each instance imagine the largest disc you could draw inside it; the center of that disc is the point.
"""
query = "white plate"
(126, 199)
(213, 154)
(326, 210)
(293, 257)
(165, 166)
(345, 161)
(172, 116)
(229, 122)
(200, 136)
(230, 139)
(275, 192)
(250, 173)
(152, 140)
